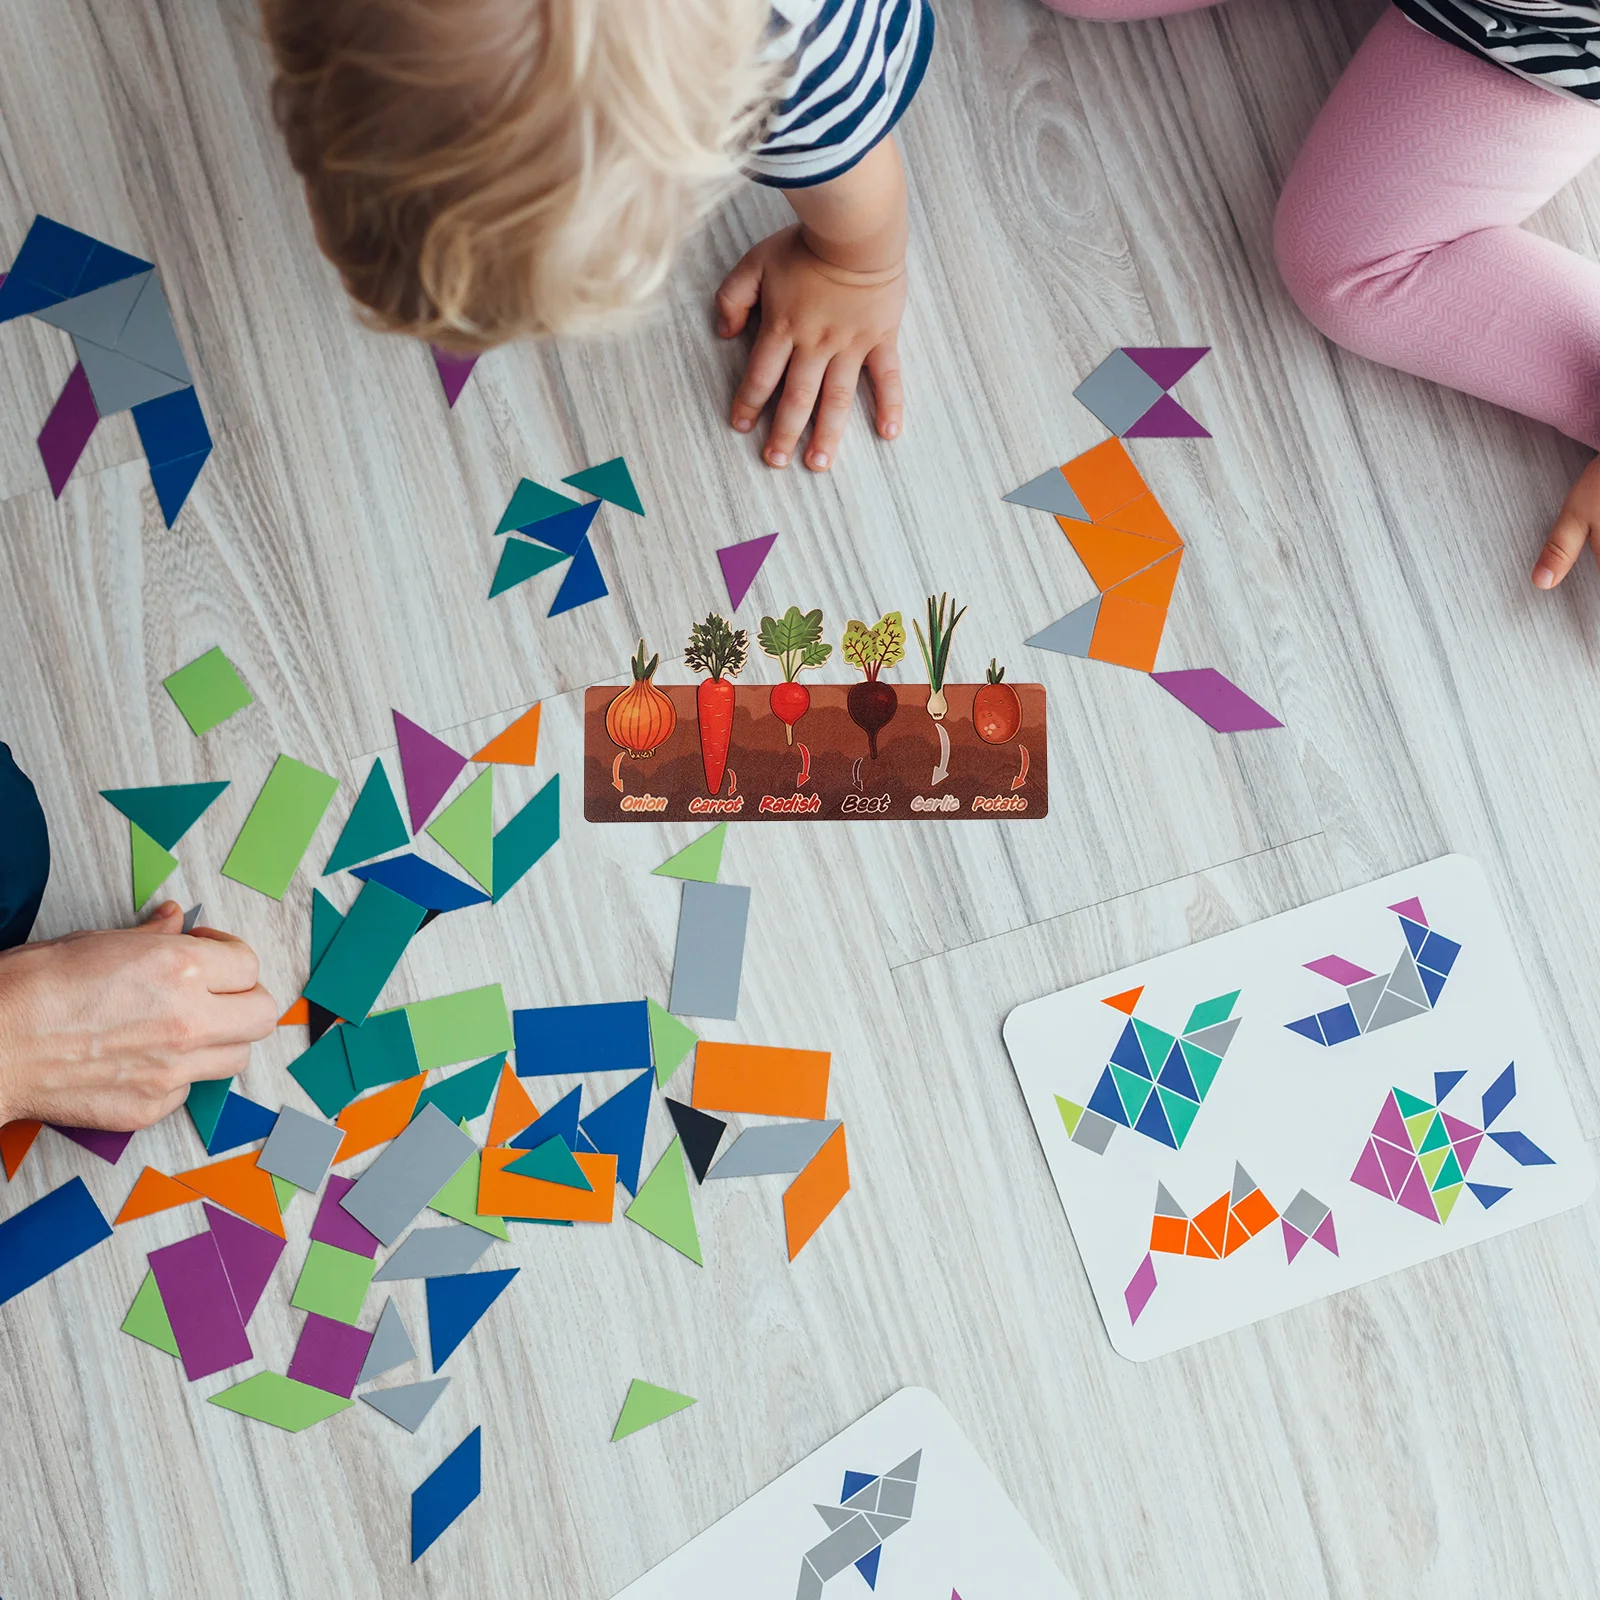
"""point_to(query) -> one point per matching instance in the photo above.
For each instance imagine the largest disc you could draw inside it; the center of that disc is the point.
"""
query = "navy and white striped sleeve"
(855, 66)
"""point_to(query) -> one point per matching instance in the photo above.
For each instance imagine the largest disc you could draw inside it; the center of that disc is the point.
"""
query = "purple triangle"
(1325, 1236)
(741, 563)
(453, 373)
(1412, 909)
(1166, 419)
(428, 765)
(1164, 362)
(248, 1256)
(1369, 1172)
(97, 1141)
(1293, 1240)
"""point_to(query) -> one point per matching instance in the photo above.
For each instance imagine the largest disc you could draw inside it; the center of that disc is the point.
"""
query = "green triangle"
(459, 1199)
(1432, 1162)
(1133, 1089)
(1071, 1114)
(1180, 1113)
(701, 861)
(1410, 1105)
(374, 827)
(1438, 1136)
(152, 865)
(1418, 1126)
(167, 812)
(662, 1205)
(611, 481)
(553, 1162)
(647, 1405)
(1444, 1202)
(521, 560)
(1209, 1012)
(465, 1095)
(326, 918)
(1155, 1044)
(1202, 1067)
(465, 828)
(283, 1192)
(670, 1042)
(531, 502)
(147, 1317)
(204, 1103)
(1450, 1174)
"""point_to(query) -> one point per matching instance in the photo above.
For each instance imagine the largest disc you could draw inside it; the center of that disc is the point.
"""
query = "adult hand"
(108, 1030)
(1577, 525)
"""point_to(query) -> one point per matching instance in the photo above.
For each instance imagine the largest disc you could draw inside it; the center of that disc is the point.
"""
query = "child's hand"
(1577, 525)
(821, 324)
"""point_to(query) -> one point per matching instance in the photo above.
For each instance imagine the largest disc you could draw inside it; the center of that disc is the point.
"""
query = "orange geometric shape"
(1153, 586)
(1198, 1246)
(1108, 555)
(154, 1191)
(1235, 1235)
(763, 1080)
(1213, 1223)
(1169, 1235)
(517, 746)
(823, 1182)
(1126, 633)
(513, 1108)
(16, 1140)
(297, 1014)
(380, 1117)
(1144, 516)
(1254, 1212)
(512, 1194)
(1125, 1001)
(1104, 478)
(240, 1186)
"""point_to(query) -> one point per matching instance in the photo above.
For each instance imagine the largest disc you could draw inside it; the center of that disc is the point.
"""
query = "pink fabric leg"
(1399, 231)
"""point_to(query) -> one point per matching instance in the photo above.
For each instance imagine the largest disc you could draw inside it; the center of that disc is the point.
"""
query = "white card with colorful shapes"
(1298, 1106)
(898, 1506)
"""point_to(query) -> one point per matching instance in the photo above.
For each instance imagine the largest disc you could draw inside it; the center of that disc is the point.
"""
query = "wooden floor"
(1358, 544)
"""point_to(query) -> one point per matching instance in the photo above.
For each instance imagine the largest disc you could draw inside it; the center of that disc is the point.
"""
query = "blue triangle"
(1433, 982)
(1488, 1193)
(173, 480)
(1175, 1076)
(107, 265)
(1444, 1082)
(561, 1118)
(1107, 1101)
(566, 531)
(1128, 1054)
(867, 1566)
(1309, 1027)
(582, 582)
(1153, 1122)
(20, 298)
(421, 883)
(854, 1483)
(616, 1127)
(1416, 934)
(455, 1304)
(241, 1121)
(53, 256)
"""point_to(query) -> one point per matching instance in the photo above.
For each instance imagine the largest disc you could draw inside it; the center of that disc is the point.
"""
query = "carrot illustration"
(714, 649)
(794, 641)
(869, 650)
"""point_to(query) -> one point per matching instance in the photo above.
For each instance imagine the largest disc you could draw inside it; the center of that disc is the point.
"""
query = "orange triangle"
(379, 1117)
(1105, 478)
(517, 746)
(16, 1140)
(1125, 1001)
(1213, 1223)
(1145, 516)
(1126, 633)
(1153, 586)
(1197, 1245)
(1109, 555)
(240, 1185)
(299, 1013)
(513, 1109)
(152, 1192)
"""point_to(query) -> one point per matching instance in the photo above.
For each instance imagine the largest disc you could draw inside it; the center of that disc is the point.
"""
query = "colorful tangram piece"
(1128, 392)
(129, 358)
(1419, 1156)
(741, 562)
(1155, 1082)
(453, 373)
(1377, 1000)
(446, 1492)
(871, 1508)
(558, 527)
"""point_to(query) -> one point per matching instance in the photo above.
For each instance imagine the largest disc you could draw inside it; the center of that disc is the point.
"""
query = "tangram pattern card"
(984, 757)
(1299, 1106)
(900, 1496)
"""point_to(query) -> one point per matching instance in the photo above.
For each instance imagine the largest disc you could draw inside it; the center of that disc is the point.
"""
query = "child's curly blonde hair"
(479, 169)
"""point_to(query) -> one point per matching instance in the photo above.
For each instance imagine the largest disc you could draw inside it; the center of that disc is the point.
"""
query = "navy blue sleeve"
(24, 852)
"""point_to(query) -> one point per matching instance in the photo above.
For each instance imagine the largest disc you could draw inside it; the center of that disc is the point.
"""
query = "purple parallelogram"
(1341, 971)
(329, 1355)
(97, 1141)
(200, 1306)
(1212, 698)
(453, 373)
(248, 1256)
(1139, 1290)
(741, 563)
(335, 1225)
(66, 432)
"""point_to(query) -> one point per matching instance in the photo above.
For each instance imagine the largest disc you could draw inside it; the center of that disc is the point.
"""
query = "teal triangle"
(375, 826)
(1134, 1091)
(204, 1103)
(166, 812)
(1154, 1043)
(466, 1094)
(519, 561)
(530, 503)
(1180, 1113)
(1202, 1067)
(554, 1163)
(326, 918)
(611, 481)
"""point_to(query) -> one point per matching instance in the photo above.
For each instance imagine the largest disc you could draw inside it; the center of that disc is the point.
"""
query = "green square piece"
(333, 1282)
(208, 691)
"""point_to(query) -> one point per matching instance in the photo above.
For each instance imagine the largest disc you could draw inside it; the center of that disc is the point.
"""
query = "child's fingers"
(883, 366)
(737, 297)
(794, 407)
(1561, 549)
(833, 410)
(762, 374)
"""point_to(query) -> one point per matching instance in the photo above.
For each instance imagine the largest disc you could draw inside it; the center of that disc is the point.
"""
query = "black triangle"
(701, 1134)
(428, 917)
(321, 1019)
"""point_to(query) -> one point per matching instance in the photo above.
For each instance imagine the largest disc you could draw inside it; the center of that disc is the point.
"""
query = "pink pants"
(1399, 231)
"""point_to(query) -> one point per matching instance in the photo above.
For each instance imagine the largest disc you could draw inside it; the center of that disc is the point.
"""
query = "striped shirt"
(853, 68)
(1550, 42)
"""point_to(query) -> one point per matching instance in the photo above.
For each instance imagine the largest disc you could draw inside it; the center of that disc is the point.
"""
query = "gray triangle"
(1050, 492)
(865, 1498)
(835, 1516)
(1070, 636)
(409, 1404)
(391, 1346)
(1243, 1183)
(908, 1469)
(1364, 998)
(100, 315)
(883, 1526)
(1406, 982)
(149, 335)
(1393, 1008)
(1166, 1206)
(119, 384)
(1217, 1037)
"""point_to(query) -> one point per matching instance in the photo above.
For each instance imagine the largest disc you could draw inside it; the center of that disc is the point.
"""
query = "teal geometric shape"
(611, 481)
(1211, 1011)
(1154, 1043)
(167, 811)
(531, 502)
(375, 826)
(1202, 1066)
(519, 561)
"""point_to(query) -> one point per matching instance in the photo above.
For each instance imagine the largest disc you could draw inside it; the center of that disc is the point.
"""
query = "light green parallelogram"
(459, 1027)
(279, 829)
(270, 1397)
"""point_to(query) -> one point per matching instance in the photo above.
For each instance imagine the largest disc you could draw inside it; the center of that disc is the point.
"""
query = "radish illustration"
(794, 641)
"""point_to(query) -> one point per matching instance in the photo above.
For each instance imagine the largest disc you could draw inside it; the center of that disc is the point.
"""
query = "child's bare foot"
(1577, 525)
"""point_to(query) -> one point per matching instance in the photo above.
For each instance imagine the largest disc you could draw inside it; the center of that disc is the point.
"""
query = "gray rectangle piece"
(300, 1148)
(777, 1147)
(435, 1253)
(397, 1187)
(843, 1548)
(710, 953)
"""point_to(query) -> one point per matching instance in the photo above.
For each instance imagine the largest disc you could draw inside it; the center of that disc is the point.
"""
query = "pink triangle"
(428, 765)
(1293, 1240)
(1398, 1165)
(1369, 1172)
(1415, 1197)
(741, 563)
(453, 373)
(1325, 1236)
(1166, 419)
(248, 1256)
(1166, 363)
(1411, 908)
(1466, 1149)
(1390, 1124)
(1459, 1130)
